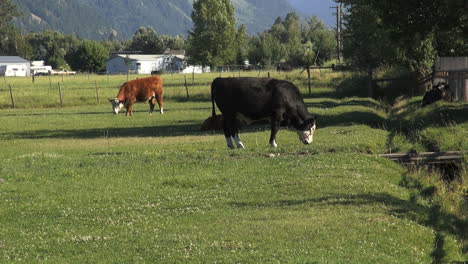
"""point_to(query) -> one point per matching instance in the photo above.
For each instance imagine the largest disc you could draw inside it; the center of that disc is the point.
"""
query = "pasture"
(80, 185)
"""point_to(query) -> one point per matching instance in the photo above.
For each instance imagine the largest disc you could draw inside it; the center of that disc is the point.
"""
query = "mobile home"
(14, 66)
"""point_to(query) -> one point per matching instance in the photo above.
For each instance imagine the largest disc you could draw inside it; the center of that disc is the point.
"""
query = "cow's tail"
(213, 110)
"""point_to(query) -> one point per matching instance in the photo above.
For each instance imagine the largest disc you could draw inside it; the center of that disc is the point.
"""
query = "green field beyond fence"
(81, 185)
(54, 91)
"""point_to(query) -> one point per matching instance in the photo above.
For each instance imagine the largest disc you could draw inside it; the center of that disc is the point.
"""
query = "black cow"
(438, 92)
(258, 98)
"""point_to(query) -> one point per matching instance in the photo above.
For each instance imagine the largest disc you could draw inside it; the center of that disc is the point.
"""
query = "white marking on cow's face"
(238, 141)
(307, 136)
(116, 105)
(229, 142)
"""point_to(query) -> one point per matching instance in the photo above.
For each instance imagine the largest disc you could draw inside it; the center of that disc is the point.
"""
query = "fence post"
(11, 96)
(370, 90)
(97, 94)
(193, 77)
(60, 94)
(268, 74)
(186, 87)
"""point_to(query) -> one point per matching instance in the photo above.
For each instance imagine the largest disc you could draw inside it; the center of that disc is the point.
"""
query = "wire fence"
(86, 89)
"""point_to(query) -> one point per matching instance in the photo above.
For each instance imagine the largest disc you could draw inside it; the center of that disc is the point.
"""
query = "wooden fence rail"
(425, 157)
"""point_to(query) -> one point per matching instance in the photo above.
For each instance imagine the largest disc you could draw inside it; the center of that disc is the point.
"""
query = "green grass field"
(80, 185)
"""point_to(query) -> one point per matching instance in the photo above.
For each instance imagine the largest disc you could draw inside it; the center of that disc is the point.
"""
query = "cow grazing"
(258, 98)
(439, 92)
(140, 90)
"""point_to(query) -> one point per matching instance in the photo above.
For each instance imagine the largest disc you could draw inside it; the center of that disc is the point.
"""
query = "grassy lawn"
(80, 185)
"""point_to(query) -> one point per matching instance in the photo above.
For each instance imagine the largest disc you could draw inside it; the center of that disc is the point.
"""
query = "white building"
(170, 61)
(144, 64)
(38, 68)
(14, 66)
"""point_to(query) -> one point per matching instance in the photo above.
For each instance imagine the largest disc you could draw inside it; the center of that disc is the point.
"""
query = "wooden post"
(33, 76)
(11, 96)
(268, 74)
(50, 85)
(193, 77)
(186, 87)
(97, 94)
(60, 94)
(370, 91)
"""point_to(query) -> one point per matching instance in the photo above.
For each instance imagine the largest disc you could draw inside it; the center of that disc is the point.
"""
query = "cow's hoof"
(273, 144)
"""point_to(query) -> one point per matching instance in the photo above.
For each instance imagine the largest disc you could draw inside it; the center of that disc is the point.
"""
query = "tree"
(11, 41)
(52, 47)
(174, 43)
(323, 40)
(212, 39)
(90, 56)
(8, 11)
(306, 58)
(409, 33)
(147, 40)
(292, 33)
(242, 43)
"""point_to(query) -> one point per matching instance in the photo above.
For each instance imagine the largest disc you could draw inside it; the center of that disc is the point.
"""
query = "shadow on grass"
(443, 116)
(352, 118)
(194, 98)
(154, 131)
(351, 102)
(430, 216)
(58, 114)
(109, 113)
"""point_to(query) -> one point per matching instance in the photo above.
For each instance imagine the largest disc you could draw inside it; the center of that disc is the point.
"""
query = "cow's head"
(116, 105)
(306, 130)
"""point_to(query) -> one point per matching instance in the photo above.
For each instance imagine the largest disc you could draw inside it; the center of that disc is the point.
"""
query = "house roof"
(12, 59)
(140, 57)
(174, 52)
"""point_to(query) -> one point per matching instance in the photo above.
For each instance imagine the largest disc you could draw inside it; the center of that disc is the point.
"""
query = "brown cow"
(140, 90)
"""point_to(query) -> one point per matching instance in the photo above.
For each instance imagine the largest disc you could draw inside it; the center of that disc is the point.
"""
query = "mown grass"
(80, 185)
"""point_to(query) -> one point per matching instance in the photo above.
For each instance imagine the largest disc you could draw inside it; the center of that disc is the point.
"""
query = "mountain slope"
(320, 8)
(92, 19)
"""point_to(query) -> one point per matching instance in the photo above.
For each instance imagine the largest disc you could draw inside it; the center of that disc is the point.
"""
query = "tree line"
(214, 41)
(409, 34)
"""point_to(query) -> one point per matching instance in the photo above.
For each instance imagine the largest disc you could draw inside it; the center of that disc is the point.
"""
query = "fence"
(454, 71)
(87, 89)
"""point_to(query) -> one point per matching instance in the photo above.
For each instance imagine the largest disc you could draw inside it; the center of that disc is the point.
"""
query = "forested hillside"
(99, 19)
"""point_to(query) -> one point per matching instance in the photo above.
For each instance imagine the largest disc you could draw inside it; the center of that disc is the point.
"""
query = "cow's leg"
(275, 125)
(129, 109)
(236, 131)
(159, 98)
(228, 126)
(151, 102)
(129, 106)
(239, 143)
